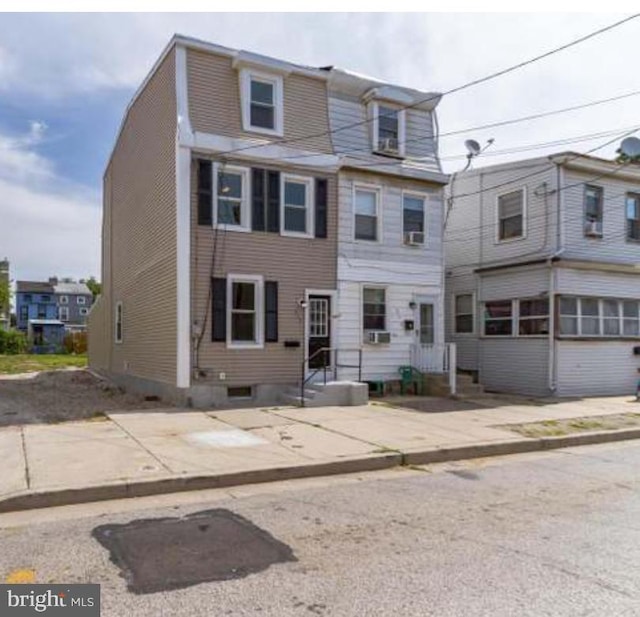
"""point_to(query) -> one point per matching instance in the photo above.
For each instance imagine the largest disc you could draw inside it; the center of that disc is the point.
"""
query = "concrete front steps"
(333, 393)
(438, 385)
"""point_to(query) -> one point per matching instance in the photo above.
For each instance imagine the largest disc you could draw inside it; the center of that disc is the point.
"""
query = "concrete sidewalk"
(139, 453)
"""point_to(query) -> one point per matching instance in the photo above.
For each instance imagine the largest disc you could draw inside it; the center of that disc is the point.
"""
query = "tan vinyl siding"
(98, 335)
(215, 106)
(140, 237)
(295, 263)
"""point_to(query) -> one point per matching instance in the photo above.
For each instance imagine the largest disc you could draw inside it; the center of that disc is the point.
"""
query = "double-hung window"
(232, 199)
(81, 300)
(630, 318)
(413, 216)
(64, 299)
(464, 314)
(244, 306)
(262, 102)
(63, 313)
(118, 334)
(511, 215)
(498, 318)
(366, 206)
(374, 308)
(297, 197)
(388, 129)
(633, 216)
(593, 199)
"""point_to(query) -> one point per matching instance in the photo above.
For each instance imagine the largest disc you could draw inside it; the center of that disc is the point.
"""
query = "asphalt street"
(540, 534)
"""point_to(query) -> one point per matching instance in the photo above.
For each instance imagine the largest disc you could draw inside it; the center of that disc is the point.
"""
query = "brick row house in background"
(257, 212)
(542, 278)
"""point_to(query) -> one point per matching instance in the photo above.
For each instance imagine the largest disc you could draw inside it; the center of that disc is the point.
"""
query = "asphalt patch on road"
(163, 554)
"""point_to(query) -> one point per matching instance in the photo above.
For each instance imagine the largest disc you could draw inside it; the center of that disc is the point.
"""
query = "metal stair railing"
(306, 377)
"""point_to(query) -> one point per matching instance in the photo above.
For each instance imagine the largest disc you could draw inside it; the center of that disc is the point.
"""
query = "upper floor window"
(45, 298)
(232, 199)
(593, 211)
(84, 311)
(42, 311)
(81, 300)
(262, 102)
(388, 129)
(413, 217)
(28, 298)
(366, 204)
(64, 299)
(296, 205)
(63, 313)
(511, 215)
(24, 313)
(633, 216)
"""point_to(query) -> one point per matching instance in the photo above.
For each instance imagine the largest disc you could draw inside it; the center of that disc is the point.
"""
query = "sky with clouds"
(65, 80)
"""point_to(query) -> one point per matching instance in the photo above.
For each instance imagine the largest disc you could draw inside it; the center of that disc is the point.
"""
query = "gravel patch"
(558, 428)
(58, 396)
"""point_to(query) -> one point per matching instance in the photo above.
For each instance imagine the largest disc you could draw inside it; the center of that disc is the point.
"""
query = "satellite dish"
(630, 147)
(473, 147)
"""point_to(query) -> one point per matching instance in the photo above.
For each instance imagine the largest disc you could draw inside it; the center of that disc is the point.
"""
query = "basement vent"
(239, 392)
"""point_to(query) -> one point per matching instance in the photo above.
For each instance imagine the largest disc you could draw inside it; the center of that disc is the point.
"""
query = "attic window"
(388, 129)
(262, 102)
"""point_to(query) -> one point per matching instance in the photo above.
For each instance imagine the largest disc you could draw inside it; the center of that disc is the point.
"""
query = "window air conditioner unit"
(390, 145)
(592, 229)
(414, 238)
(378, 337)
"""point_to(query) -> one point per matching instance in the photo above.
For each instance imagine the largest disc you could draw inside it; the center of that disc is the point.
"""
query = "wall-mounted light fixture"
(412, 305)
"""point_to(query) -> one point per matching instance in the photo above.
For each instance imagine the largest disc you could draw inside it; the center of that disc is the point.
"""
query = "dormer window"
(388, 129)
(262, 102)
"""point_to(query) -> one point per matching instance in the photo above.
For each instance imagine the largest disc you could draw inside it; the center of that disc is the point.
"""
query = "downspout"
(480, 322)
(552, 361)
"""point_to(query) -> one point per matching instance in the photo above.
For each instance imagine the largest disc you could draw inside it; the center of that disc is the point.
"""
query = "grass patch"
(30, 363)
(558, 428)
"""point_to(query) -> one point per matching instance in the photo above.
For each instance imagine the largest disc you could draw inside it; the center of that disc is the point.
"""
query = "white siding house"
(390, 203)
(544, 254)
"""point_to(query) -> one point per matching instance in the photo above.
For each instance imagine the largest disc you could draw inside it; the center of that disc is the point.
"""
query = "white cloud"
(48, 226)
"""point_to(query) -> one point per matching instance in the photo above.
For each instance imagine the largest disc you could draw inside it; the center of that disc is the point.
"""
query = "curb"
(48, 498)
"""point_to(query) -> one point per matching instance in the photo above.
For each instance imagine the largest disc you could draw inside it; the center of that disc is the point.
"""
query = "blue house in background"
(37, 315)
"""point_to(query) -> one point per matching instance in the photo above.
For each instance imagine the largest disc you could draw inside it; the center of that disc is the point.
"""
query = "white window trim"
(514, 321)
(363, 286)
(245, 205)
(81, 300)
(375, 110)
(84, 311)
(523, 189)
(473, 313)
(118, 308)
(425, 199)
(310, 210)
(372, 188)
(258, 281)
(601, 318)
(66, 313)
(64, 299)
(246, 76)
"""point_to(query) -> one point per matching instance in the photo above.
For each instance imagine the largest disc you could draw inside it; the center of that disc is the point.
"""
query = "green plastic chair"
(411, 376)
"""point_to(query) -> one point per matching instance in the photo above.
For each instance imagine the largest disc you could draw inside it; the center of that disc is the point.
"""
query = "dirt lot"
(56, 396)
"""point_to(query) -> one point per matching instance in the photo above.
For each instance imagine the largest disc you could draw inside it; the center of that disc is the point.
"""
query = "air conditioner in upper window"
(389, 144)
(378, 336)
(593, 229)
(414, 238)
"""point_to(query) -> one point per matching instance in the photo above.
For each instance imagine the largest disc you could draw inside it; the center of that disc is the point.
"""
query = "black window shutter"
(205, 195)
(258, 199)
(273, 204)
(219, 310)
(271, 311)
(321, 208)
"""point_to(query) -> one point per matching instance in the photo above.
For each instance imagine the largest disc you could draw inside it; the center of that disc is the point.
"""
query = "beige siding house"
(219, 228)
(542, 283)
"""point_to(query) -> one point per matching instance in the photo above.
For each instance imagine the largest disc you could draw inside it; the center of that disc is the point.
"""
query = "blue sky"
(65, 81)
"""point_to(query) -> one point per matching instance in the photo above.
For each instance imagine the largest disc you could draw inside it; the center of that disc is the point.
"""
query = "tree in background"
(94, 286)
(5, 296)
